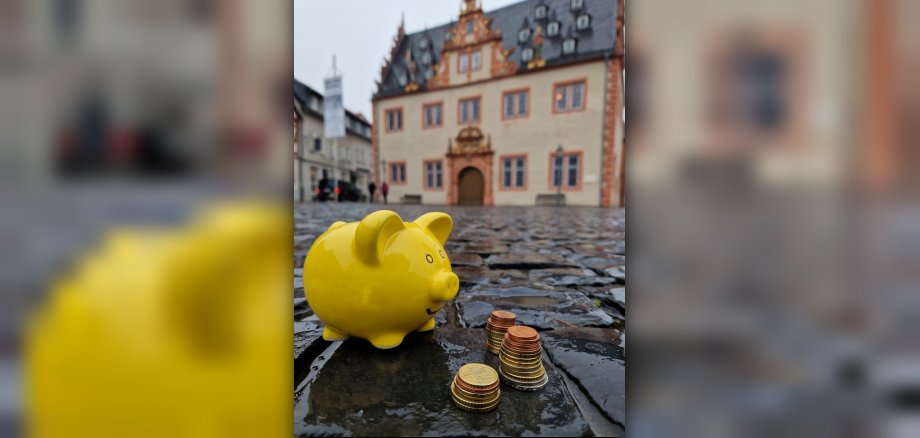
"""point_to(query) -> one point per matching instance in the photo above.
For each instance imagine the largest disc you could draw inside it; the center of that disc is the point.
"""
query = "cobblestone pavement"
(561, 270)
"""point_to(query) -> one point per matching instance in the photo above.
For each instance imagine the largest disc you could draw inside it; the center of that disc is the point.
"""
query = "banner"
(334, 108)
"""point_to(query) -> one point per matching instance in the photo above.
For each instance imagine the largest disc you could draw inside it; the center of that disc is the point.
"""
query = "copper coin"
(521, 332)
(521, 345)
(521, 350)
(504, 316)
(516, 345)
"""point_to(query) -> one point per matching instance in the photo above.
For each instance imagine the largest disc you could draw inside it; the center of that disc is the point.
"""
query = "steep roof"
(595, 42)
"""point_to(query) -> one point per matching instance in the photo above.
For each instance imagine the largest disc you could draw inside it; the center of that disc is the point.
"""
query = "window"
(469, 27)
(317, 144)
(434, 174)
(514, 172)
(394, 120)
(583, 22)
(523, 35)
(568, 46)
(433, 115)
(552, 29)
(477, 60)
(398, 172)
(577, 4)
(566, 170)
(464, 63)
(469, 110)
(527, 54)
(569, 97)
(515, 104)
(423, 43)
(426, 58)
(540, 12)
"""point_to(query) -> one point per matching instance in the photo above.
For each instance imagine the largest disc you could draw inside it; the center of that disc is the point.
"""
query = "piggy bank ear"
(373, 232)
(438, 223)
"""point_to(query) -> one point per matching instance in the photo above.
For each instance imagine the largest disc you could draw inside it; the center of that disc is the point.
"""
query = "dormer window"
(577, 4)
(583, 22)
(423, 44)
(527, 54)
(523, 35)
(426, 58)
(540, 12)
(568, 46)
(552, 29)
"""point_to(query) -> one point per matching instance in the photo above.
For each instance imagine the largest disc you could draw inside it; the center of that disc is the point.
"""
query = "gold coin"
(525, 386)
(522, 369)
(477, 374)
(475, 404)
(476, 389)
(473, 407)
(520, 359)
(524, 377)
(473, 397)
(520, 379)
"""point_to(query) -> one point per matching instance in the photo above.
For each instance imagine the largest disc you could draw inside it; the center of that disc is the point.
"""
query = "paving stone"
(361, 390)
(594, 359)
(480, 275)
(568, 277)
(538, 308)
(482, 248)
(465, 259)
(528, 260)
(306, 332)
(560, 270)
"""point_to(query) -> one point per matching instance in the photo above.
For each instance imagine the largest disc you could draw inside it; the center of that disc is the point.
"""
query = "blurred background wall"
(771, 156)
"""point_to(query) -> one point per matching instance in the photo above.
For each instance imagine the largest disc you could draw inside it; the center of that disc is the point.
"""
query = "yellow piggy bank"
(381, 278)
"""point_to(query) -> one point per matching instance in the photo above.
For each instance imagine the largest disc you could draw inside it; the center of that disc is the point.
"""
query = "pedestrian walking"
(385, 189)
(371, 188)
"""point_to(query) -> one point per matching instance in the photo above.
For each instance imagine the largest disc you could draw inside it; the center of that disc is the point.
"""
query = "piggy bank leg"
(331, 334)
(427, 327)
(387, 340)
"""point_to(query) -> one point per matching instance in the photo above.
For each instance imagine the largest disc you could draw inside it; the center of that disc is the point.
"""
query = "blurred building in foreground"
(477, 110)
(315, 158)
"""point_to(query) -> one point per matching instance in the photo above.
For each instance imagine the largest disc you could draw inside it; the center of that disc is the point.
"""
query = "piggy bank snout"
(444, 287)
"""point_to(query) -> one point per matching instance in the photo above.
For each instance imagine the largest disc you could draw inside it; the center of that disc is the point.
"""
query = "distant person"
(385, 188)
(371, 188)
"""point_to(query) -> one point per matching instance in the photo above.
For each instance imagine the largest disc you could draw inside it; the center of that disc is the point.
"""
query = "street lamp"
(559, 186)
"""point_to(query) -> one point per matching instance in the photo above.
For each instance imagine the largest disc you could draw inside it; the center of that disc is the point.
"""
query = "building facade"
(315, 157)
(517, 106)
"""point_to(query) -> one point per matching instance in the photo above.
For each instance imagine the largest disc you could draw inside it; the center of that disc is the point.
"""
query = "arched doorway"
(471, 187)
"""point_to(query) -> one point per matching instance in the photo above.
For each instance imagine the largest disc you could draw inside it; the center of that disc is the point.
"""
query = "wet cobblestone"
(561, 270)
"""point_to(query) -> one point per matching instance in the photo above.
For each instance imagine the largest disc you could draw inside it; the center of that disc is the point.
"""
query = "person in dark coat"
(371, 188)
(385, 189)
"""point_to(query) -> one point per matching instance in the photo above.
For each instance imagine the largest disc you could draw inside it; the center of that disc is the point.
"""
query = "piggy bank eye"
(441, 253)
(429, 258)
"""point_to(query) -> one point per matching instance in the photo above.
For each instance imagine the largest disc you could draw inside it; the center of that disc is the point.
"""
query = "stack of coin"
(521, 359)
(496, 327)
(475, 388)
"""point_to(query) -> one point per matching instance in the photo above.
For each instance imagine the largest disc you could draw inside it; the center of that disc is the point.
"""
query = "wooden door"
(471, 187)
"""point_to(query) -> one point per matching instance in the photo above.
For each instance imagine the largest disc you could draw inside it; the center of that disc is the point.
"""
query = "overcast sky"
(359, 33)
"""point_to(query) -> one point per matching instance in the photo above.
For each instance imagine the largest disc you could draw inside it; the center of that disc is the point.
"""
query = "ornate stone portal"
(469, 149)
